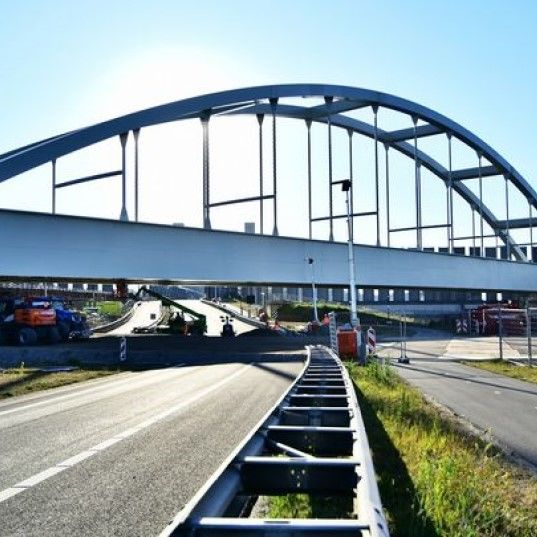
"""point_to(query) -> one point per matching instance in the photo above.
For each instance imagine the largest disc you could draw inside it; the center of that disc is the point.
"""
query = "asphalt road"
(505, 407)
(213, 315)
(121, 456)
(145, 314)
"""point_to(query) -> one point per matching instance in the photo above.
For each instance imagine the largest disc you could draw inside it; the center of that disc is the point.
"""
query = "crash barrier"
(313, 441)
(152, 327)
(108, 327)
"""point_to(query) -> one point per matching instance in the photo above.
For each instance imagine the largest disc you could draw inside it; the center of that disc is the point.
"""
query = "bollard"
(403, 359)
(500, 331)
(123, 349)
(528, 332)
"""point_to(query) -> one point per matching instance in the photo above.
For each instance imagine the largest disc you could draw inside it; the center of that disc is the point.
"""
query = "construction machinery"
(71, 324)
(181, 320)
(227, 327)
(26, 321)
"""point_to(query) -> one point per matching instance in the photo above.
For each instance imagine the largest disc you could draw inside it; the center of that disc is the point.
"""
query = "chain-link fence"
(512, 330)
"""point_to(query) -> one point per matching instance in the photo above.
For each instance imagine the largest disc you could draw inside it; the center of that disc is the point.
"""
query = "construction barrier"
(348, 341)
(371, 340)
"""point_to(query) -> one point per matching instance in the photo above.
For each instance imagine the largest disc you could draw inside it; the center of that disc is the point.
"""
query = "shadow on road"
(24, 379)
(274, 371)
(468, 379)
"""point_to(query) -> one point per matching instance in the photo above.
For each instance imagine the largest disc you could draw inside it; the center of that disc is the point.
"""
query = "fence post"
(402, 332)
(500, 331)
(528, 331)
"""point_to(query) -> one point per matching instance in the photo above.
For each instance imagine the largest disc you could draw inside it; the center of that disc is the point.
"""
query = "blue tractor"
(71, 324)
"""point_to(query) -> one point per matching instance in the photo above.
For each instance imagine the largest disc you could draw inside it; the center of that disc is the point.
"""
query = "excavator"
(196, 325)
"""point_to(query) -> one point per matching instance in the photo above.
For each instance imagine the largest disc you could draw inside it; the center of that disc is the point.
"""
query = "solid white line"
(82, 456)
(53, 400)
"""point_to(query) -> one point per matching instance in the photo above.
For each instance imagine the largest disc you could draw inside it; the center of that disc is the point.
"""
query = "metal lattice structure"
(279, 101)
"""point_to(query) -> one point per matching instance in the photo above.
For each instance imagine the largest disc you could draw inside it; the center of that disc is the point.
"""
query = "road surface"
(214, 321)
(121, 456)
(145, 313)
(506, 407)
(427, 344)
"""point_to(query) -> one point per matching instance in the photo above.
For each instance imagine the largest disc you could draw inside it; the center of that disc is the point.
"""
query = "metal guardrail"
(312, 441)
(105, 328)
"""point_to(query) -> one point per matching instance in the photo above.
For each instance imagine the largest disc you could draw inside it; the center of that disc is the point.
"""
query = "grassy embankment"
(23, 380)
(508, 369)
(435, 479)
(298, 313)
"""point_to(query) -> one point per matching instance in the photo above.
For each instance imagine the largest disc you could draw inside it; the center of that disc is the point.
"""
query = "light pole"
(314, 291)
(346, 185)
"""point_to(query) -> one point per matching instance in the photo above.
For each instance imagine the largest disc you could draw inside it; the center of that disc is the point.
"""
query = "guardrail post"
(500, 331)
(528, 331)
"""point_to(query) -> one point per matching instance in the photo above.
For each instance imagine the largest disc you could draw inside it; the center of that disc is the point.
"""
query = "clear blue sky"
(67, 64)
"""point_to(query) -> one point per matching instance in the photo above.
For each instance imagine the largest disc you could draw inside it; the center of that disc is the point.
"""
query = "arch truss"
(332, 109)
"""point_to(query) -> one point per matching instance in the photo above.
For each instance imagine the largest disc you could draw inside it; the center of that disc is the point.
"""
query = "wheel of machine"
(26, 336)
(63, 330)
(54, 335)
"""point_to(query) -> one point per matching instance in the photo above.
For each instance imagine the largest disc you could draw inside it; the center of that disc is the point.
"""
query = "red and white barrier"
(371, 340)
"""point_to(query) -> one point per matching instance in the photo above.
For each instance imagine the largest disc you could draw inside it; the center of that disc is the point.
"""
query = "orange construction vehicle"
(26, 322)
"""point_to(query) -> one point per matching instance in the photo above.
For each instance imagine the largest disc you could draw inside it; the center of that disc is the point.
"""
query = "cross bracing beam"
(408, 134)
(335, 107)
(89, 178)
(473, 173)
(517, 223)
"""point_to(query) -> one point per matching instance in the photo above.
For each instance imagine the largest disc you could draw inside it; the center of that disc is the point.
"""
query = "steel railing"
(313, 441)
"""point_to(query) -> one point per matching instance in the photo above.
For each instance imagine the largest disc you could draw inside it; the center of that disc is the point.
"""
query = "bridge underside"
(57, 248)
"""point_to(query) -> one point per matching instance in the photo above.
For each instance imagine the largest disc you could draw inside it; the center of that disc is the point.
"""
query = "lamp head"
(346, 185)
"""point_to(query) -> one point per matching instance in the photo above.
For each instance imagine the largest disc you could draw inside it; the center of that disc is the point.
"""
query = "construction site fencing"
(513, 330)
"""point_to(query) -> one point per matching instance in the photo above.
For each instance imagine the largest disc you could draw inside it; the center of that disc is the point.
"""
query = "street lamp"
(346, 186)
(314, 291)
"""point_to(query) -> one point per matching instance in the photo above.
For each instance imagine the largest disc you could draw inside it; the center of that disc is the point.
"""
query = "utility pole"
(314, 291)
(346, 186)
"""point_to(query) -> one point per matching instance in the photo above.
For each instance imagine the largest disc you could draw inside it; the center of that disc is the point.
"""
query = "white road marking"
(53, 400)
(79, 457)
(497, 392)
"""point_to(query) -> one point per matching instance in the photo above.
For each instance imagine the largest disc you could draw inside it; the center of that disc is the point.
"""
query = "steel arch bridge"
(333, 105)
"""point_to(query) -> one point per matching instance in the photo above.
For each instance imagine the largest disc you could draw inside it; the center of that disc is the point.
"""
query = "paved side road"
(505, 406)
(122, 456)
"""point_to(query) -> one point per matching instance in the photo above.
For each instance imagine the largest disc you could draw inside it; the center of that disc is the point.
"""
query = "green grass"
(434, 478)
(23, 380)
(508, 369)
(303, 312)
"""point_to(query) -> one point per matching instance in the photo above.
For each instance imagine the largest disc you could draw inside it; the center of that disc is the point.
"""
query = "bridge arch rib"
(266, 100)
